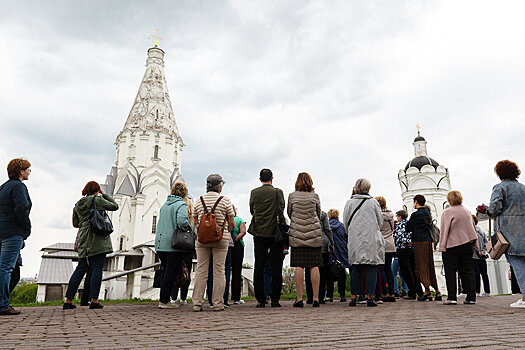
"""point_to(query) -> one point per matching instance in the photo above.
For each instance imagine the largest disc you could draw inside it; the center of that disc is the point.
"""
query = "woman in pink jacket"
(457, 240)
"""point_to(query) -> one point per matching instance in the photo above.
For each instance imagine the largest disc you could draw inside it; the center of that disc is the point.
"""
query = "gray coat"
(366, 244)
(328, 238)
(508, 201)
(304, 210)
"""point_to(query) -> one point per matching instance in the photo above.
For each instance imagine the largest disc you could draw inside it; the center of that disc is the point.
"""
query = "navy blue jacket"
(15, 206)
(419, 225)
(340, 241)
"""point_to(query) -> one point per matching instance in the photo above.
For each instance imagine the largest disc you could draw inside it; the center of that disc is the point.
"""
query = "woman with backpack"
(92, 247)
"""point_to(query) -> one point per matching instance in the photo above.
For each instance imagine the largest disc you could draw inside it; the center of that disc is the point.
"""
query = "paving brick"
(403, 325)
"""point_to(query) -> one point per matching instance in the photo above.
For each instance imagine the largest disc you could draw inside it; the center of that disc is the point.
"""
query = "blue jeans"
(96, 264)
(518, 265)
(9, 251)
(356, 279)
(396, 270)
(227, 272)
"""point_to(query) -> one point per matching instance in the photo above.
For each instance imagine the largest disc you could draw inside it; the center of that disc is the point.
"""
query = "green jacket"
(174, 213)
(263, 201)
(90, 244)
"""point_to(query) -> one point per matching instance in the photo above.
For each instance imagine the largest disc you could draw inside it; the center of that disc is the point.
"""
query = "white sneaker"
(212, 307)
(238, 302)
(167, 305)
(520, 304)
(462, 295)
(478, 294)
(183, 302)
(485, 294)
(450, 302)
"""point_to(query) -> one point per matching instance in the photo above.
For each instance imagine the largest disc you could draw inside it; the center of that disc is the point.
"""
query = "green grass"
(76, 301)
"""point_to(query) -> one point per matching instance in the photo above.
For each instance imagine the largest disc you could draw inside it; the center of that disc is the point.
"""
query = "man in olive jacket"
(266, 203)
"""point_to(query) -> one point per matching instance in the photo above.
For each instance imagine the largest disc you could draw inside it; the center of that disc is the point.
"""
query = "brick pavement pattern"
(400, 325)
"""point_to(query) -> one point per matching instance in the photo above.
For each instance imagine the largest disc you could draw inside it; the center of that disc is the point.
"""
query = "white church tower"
(148, 162)
(424, 175)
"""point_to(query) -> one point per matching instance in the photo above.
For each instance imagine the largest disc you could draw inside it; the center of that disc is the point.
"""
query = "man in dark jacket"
(15, 226)
(266, 203)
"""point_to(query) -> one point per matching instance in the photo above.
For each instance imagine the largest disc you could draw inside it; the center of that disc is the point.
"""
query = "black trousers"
(480, 271)
(341, 286)
(407, 265)
(188, 260)
(261, 246)
(323, 280)
(459, 259)
(15, 278)
(171, 264)
(387, 277)
(237, 258)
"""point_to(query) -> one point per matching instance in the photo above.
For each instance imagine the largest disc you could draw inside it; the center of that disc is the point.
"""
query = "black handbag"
(336, 270)
(183, 240)
(99, 221)
(281, 229)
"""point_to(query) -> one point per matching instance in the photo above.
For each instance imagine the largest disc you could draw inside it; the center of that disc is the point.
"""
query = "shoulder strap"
(391, 227)
(204, 206)
(216, 204)
(355, 211)
(94, 204)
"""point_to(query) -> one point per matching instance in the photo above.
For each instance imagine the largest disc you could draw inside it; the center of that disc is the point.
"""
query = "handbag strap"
(204, 206)
(277, 205)
(355, 211)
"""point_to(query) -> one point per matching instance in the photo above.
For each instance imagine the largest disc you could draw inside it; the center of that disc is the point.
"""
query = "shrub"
(25, 293)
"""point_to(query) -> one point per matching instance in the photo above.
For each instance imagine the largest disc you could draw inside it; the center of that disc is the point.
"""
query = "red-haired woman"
(508, 202)
(304, 210)
(92, 247)
(15, 226)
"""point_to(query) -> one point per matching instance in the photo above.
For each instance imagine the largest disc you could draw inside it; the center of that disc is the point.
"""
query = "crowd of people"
(388, 255)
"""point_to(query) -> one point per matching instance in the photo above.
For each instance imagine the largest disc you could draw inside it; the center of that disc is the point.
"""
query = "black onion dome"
(419, 138)
(421, 161)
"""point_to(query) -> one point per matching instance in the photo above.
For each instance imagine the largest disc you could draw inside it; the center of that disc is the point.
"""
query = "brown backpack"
(209, 230)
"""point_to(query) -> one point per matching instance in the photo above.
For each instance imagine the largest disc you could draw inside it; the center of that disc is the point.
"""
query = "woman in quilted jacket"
(304, 210)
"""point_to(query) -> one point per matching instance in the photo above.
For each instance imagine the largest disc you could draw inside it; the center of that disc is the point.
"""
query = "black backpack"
(99, 221)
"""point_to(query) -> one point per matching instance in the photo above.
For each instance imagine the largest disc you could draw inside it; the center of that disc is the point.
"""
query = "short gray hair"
(362, 186)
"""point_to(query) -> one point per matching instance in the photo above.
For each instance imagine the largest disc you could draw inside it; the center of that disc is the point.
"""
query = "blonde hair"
(454, 198)
(333, 214)
(382, 201)
(179, 189)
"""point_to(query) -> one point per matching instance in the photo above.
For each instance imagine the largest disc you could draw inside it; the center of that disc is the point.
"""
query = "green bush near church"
(24, 294)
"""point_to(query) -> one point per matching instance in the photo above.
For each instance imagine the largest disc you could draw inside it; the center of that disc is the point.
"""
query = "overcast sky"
(334, 88)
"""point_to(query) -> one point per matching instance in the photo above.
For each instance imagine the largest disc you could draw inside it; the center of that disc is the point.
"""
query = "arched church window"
(154, 225)
(157, 116)
(121, 244)
(156, 152)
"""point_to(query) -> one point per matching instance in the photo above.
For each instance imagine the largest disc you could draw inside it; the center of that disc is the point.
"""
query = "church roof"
(152, 108)
(419, 162)
(419, 138)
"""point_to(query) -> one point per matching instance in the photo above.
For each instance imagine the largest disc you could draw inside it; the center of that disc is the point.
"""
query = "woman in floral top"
(405, 255)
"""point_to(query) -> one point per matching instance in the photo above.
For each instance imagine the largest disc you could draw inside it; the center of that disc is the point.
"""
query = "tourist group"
(372, 242)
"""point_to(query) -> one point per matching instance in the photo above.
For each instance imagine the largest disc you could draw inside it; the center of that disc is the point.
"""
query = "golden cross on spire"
(156, 37)
(418, 129)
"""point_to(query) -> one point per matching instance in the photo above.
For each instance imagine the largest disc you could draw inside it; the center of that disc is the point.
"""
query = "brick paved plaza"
(400, 325)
